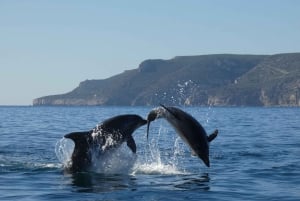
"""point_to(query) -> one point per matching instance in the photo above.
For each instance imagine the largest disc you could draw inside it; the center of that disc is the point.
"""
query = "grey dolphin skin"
(187, 127)
(118, 129)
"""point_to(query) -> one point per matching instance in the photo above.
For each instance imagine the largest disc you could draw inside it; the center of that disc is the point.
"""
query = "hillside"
(256, 80)
(274, 81)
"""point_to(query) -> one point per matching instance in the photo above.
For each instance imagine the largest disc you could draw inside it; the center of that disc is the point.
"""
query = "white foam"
(156, 168)
(47, 165)
(114, 161)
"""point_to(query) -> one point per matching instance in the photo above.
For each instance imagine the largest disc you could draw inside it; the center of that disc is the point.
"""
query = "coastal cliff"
(219, 80)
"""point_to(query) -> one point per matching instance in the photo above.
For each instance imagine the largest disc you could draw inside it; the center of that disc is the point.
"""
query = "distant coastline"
(205, 80)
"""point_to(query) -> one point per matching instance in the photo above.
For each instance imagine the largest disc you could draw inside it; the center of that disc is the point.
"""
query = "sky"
(48, 47)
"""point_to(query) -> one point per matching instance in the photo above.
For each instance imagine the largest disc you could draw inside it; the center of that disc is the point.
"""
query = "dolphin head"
(153, 114)
(204, 158)
(125, 124)
(135, 121)
(159, 112)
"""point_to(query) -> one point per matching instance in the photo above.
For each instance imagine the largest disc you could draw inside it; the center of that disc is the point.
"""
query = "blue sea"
(256, 156)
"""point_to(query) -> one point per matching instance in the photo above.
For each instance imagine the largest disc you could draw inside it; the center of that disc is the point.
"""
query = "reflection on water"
(94, 182)
(89, 182)
(193, 182)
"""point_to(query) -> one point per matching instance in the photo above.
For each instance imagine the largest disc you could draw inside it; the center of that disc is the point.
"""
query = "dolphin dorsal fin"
(79, 137)
(131, 144)
(212, 136)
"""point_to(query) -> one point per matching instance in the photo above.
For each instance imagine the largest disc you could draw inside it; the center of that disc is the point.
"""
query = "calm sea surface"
(256, 156)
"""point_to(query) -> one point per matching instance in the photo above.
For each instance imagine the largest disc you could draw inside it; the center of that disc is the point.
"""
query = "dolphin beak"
(148, 125)
(144, 122)
(206, 161)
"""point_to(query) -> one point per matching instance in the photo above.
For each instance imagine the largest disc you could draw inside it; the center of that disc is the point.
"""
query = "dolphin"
(187, 127)
(107, 135)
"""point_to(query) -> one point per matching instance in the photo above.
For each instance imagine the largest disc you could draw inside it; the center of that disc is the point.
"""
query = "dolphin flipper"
(131, 144)
(212, 136)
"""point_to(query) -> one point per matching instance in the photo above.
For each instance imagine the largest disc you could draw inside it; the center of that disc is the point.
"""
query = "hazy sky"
(49, 46)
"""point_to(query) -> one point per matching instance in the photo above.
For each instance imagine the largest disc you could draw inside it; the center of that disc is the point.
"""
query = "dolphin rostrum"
(187, 127)
(109, 134)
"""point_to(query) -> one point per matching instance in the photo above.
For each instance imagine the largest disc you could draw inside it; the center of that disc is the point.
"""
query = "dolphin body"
(109, 134)
(187, 127)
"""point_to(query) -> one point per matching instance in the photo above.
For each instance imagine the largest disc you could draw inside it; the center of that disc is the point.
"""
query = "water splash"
(181, 94)
(154, 161)
(156, 168)
(114, 161)
(122, 161)
(178, 151)
(184, 91)
(153, 158)
(63, 150)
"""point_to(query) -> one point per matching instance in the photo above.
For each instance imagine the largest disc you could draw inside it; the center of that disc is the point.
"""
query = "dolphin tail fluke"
(212, 136)
(131, 144)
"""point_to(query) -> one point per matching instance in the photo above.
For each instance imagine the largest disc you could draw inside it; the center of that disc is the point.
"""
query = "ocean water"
(256, 156)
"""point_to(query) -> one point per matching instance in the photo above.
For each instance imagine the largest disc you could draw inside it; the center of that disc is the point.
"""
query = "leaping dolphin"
(187, 127)
(109, 134)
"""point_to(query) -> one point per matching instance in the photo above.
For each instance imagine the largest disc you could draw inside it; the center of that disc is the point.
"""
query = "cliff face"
(274, 81)
(256, 80)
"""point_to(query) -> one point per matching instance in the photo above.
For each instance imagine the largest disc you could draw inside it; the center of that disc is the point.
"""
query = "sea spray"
(153, 157)
(155, 160)
(115, 161)
(63, 150)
